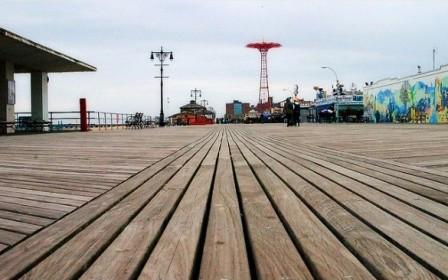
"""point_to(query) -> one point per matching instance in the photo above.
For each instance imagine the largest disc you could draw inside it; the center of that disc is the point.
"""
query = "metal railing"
(71, 120)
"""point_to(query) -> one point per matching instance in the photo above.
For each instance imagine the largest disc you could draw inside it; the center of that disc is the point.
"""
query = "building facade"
(420, 98)
(236, 110)
(193, 114)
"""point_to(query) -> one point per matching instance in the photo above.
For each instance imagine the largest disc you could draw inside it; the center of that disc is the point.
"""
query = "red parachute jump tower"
(264, 102)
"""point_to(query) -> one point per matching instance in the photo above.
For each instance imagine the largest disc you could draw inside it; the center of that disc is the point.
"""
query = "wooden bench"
(4, 125)
(30, 125)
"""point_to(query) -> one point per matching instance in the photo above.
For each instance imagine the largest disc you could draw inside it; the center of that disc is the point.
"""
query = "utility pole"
(161, 55)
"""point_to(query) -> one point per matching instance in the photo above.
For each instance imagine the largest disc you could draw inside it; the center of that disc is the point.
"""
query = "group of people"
(292, 110)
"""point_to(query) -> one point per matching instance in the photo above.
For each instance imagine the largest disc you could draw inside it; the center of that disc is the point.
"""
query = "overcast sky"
(362, 40)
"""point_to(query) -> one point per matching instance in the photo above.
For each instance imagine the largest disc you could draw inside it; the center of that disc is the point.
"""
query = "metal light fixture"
(334, 72)
(195, 92)
(161, 55)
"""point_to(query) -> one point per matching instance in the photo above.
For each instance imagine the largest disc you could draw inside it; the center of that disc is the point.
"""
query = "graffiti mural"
(420, 99)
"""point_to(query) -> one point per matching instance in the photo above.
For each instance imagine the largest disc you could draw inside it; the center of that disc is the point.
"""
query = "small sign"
(11, 92)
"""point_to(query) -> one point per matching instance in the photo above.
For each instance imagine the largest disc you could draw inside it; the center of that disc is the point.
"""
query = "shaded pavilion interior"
(22, 55)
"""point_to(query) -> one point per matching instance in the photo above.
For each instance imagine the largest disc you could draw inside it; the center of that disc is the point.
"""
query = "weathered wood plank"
(37, 204)
(38, 246)
(327, 256)
(10, 238)
(174, 254)
(429, 250)
(413, 216)
(379, 255)
(151, 221)
(31, 210)
(72, 257)
(19, 227)
(433, 189)
(275, 255)
(224, 255)
(34, 220)
(44, 196)
(302, 191)
(3, 247)
(426, 173)
(48, 188)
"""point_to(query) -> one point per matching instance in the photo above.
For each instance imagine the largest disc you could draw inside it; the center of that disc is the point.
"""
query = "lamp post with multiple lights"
(196, 92)
(161, 55)
(204, 102)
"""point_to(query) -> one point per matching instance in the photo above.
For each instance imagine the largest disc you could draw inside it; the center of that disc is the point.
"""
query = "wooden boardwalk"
(44, 177)
(229, 202)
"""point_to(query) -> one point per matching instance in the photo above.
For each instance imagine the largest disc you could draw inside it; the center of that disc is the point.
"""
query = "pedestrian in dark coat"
(288, 111)
(296, 114)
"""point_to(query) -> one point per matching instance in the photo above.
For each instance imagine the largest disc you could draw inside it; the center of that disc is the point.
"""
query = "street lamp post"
(338, 91)
(195, 92)
(204, 102)
(334, 72)
(161, 55)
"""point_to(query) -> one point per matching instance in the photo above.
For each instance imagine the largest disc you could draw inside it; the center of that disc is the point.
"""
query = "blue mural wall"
(419, 99)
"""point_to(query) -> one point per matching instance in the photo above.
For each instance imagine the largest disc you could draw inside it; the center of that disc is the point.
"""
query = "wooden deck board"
(99, 233)
(50, 175)
(224, 255)
(274, 253)
(226, 202)
(152, 219)
(174, 254)
(319, 245)
(415, 217)
(413, 240)
(383, 259)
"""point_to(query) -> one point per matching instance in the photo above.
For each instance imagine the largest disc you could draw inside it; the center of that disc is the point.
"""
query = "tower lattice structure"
(264, 47)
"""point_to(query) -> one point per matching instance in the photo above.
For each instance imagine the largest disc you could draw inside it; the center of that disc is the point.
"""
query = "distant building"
(193, 114)
(236, 111)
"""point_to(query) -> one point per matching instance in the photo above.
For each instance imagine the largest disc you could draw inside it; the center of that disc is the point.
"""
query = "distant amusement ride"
(264, 100)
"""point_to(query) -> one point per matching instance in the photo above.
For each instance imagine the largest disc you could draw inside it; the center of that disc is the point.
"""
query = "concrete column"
(39, 96)
(7, 85)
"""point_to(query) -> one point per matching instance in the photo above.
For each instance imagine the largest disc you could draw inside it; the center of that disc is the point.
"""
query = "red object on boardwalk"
(83, 114)
(191, 119)
(264, 47)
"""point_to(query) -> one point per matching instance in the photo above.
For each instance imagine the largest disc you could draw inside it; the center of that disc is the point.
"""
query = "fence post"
(99, 121)
(51, 121)
(83, 113)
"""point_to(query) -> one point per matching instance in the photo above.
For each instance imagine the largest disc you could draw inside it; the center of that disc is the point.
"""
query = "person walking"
(288, 111)
(296, 114)
(296, 108)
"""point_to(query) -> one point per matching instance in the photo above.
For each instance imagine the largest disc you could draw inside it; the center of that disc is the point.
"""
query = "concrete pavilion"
(21, 55)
